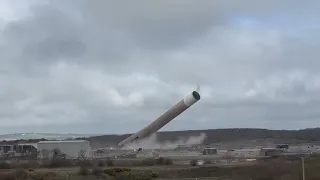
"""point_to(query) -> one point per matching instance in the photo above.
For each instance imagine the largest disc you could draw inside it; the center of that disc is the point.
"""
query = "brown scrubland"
(277, 168)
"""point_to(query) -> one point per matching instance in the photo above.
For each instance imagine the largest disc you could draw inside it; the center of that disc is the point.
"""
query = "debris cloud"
(152, 143)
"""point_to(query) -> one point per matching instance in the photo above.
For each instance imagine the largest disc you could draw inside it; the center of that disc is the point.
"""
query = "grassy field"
(271, 169)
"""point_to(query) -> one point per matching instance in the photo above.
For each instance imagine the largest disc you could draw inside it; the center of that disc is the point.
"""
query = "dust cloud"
(151, 142)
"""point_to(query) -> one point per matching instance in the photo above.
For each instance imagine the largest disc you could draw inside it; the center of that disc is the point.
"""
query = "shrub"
(168, 161)
(56, 163)
(289, 177)
(164, 161)
(86, 163)
(5, 165)
(21, 174)
(57, 160)
(228, 157)
(82, 155)
(193, 162)
(114, 171)
(107, 177)
(97, 171)
(153, 175)
(148, 162)
(29, 165)
(136, 176)
(42, 175)
(160, 160)
(7, 176)
(110, 162)
(57, 154)
(110, 172)
(83, 171)
(101, 163)
(207, 162)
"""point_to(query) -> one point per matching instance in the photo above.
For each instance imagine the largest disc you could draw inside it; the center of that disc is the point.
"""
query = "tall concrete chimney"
(164, 119)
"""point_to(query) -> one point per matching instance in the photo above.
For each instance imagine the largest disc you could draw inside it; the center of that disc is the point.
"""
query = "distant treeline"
(221, 135)
(213, 136)
(3, 142)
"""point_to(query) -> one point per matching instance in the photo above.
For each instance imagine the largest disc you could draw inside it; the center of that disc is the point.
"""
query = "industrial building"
(270, 152)
(70, 149)
(210, 151)
(282, 146)
(19, 148)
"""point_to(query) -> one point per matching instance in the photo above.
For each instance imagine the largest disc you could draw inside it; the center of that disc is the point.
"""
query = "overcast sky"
(100, 66)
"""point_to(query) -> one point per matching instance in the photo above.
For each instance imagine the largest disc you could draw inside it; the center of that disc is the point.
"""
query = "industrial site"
(72, 149)
(159, 160)
(141, 151)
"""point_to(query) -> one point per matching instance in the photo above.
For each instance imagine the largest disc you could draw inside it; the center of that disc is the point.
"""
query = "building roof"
(210, 148)
(66, 141)
(26, 144)
(19, 144)
(268, 148)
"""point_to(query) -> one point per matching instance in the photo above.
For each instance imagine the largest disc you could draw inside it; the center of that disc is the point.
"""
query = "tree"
(57, 154)
(228, 157)
(44, 153)
(82, 155)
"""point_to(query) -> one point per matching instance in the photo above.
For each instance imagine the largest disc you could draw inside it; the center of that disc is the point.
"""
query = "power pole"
(303, 172)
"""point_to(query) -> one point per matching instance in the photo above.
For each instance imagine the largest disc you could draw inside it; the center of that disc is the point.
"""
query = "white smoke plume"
(198, 88)
(151, 142)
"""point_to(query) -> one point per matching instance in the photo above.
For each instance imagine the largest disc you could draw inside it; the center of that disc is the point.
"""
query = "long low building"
(18, 148)
(70, 149)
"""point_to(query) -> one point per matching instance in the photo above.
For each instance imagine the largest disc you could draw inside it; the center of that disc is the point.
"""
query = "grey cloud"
(89, 64)
(47, 35)
(155, 25)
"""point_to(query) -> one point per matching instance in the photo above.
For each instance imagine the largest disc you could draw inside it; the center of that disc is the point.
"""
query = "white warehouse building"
(71, 149)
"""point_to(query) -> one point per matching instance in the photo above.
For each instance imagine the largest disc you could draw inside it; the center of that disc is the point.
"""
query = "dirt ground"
(278, 168)
(163, 173)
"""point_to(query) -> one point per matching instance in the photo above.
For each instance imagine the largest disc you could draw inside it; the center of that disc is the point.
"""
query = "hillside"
(221, 135)
(231, 136)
